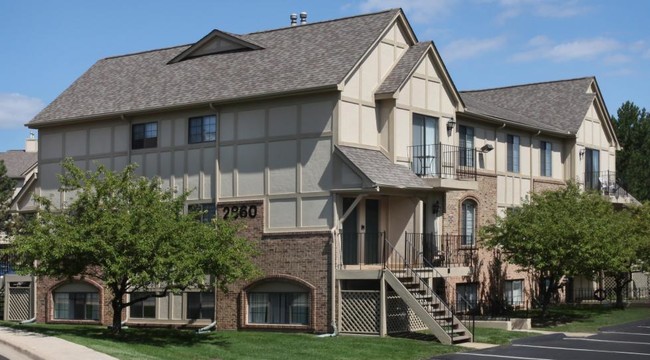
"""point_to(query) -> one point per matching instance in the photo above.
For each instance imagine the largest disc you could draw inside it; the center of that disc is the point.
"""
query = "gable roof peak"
(591, 78)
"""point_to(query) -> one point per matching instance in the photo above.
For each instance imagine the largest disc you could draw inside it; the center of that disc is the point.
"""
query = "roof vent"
(294, 19)
(303, 18)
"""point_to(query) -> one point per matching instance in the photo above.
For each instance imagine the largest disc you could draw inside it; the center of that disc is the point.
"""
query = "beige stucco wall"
(592, 134)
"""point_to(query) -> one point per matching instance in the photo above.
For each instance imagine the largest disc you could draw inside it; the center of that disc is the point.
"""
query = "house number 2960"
(242, 211)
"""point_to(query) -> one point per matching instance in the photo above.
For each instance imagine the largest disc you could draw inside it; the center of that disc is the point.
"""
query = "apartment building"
(360, 170)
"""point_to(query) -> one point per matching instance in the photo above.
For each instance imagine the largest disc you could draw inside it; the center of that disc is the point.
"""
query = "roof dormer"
(216, 42)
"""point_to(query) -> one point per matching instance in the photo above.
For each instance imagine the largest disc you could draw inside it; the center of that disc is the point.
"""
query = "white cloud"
(543, 48)
(468, 48)
(617, 59)
(418, 11)
(17, 109)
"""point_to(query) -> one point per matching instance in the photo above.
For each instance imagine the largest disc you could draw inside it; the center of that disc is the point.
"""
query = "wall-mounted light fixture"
(435, 207)
(450, 124)
(487, 148)
(581, 153)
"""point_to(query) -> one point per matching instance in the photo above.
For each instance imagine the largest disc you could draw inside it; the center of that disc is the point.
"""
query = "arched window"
(468, 223)
(76, 301)
(278, 302)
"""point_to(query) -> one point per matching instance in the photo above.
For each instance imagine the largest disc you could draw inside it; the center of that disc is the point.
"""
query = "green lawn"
(586, 318)
(497, 336)
(183, 344)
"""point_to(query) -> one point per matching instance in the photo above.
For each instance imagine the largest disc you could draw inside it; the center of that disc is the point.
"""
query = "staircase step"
(461, 339)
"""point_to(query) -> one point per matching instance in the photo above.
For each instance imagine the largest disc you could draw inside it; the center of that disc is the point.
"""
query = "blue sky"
(47, 44)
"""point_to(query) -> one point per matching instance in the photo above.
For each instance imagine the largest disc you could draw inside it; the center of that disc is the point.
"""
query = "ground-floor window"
(145, 309)
(514, 292)
(76, 305)
(466, 297)
(278, 308)
(200, 305)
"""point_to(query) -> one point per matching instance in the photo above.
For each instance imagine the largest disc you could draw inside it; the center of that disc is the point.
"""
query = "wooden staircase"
(415, 291)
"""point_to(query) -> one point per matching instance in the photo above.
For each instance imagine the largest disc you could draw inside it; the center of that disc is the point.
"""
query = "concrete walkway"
(43, 347)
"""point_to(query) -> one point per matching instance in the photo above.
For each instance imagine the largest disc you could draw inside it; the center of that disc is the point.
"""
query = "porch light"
(581, 153)
(450, 124)
(487, 148)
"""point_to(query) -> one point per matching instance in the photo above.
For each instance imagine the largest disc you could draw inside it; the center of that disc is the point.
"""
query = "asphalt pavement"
(629, 341)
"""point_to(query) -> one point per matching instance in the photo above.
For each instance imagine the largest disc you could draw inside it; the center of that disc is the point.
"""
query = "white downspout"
(333, 231)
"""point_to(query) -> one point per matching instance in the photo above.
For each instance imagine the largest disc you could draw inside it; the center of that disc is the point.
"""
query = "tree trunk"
(621, 282)
(117, 306)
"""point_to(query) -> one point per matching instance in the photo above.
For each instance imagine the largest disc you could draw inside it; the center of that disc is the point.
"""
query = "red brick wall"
(303, 255)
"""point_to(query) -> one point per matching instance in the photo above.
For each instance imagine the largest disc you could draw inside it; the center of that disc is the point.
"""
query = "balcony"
(431, 250)
(445, 166)
(607, 184)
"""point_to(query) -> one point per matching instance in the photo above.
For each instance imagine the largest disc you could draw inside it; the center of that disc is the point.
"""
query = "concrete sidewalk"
(43, 347)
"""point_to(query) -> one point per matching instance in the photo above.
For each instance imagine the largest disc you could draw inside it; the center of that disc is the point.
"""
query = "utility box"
(18, 297)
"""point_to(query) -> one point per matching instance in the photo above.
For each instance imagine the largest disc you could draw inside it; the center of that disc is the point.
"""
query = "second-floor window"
(144, 135)
(513, 153)
(202, 129)
(466, 142)
(468, 223)
(208, 211)
(545, 151)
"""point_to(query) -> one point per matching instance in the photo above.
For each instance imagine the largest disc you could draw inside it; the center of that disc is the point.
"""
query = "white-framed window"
(466, 142)
(466, 296)
(145, 309)
(278, 308)
(514, 292)
(144, 135)
(545, 158)
(202, 129)
(200, 305)
(513, 153)
(468, 223)
(76, 301)
(208, 211)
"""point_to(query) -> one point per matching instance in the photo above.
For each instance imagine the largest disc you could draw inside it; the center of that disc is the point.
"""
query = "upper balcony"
(445, 166)
(607, 184)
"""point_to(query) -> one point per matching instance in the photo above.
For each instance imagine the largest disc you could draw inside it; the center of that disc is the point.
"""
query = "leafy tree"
(7, 185)
(132, 235)
(553, 234)
(633, 161)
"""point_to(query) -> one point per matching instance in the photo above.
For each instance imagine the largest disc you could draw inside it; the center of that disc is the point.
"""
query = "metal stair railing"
(420, 290)
(425, 266)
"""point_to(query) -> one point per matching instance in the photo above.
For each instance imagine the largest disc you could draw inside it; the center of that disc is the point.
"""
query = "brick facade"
(303, 256)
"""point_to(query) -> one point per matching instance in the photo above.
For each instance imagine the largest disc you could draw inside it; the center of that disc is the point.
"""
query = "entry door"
(592, 169)
(372, 238)
(361, 233)
(425, 136)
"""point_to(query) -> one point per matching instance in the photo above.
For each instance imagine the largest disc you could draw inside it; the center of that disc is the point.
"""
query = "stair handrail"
(430, 268)
(422, 284)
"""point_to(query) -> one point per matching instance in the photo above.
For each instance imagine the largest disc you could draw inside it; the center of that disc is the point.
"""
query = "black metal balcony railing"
(443, 161)
(604, 182)
(362, 248)
(441, 250)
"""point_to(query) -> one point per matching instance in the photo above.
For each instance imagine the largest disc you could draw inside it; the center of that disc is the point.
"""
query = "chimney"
(31, 143)
(303, 18)
(294, 19)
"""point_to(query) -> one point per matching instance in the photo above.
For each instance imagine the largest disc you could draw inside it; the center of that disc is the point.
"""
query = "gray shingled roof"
(400, 73)
(18, 162)
(558, 106)
(296, 58)
(380, 170)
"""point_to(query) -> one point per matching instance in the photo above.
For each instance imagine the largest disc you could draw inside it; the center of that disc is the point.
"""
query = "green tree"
(632, 127)
(132, 235)
(7, 185)
(553, 234)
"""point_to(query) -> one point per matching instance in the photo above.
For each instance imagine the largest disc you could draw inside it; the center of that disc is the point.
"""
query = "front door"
(361, 233)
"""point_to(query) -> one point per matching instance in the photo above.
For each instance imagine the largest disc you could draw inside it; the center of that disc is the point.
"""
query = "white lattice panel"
(360, 312)
(18, 304)
(399, 317)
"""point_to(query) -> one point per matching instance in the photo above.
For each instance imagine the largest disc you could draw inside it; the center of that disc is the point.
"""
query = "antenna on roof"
(303, 18)
(294, 19)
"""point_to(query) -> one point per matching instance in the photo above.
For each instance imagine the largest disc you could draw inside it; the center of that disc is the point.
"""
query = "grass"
(588, 318)
(497, 336)
(184, 344)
